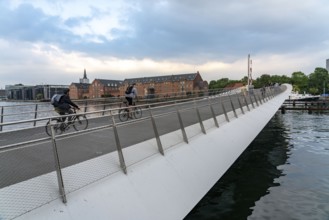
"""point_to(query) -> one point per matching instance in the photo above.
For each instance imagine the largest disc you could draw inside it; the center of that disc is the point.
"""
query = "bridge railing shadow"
(36, 169)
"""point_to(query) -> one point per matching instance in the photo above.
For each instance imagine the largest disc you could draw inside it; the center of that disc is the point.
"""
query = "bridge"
(155, 167)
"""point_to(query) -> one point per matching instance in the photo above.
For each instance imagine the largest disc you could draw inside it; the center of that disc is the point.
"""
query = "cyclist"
(130, 96)
(64, 105)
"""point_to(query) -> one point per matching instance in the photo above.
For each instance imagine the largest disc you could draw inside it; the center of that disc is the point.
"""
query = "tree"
(244, 80)
(281, 79)
(221, 83)
(299, 81)
(39, 96)
(263, 80)
(319, 79)
(313, 91)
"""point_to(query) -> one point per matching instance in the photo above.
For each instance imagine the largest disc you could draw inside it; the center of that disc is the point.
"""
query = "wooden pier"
(310, 106)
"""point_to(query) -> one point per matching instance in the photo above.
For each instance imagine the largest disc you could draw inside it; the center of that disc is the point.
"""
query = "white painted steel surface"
(160, 187)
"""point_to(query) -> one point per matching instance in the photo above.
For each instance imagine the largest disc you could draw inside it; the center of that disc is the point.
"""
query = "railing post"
(272, 92)
(266, 94)
(35, 115)
(213, 113)
(58, 166)
(238, 97)
(240, 105)
(225, 113)
(199, 117)
(252, 103)
(1, 119)
(256, 99)
(119, 148)
(260, 99)
(182, 126)
(233, 106)
(86, 106)
(245, 99)
(156, 133)
(104, 107)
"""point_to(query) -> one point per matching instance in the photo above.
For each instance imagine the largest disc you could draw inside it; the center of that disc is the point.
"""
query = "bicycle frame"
(79, 122)
(129, 111)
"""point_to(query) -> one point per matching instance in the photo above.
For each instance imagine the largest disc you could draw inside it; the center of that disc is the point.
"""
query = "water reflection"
(249, 178)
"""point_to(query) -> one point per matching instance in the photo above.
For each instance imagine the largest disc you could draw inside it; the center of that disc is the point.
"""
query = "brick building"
(104, 88)
(79, 90)
(167, 85)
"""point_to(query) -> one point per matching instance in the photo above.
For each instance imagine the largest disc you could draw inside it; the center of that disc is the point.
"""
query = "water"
(18, 111)
(284, 174)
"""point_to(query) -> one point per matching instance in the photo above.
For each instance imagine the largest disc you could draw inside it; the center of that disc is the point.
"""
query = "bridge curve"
(157, 167)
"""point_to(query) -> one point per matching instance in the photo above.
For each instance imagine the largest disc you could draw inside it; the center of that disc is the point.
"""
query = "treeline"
(315, 83)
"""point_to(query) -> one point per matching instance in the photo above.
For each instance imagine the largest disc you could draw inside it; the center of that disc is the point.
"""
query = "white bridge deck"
(155, 186)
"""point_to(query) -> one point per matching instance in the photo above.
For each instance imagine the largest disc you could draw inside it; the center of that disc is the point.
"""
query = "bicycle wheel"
(123, 115)
(137, 112)
(80, 122)
(55, 124)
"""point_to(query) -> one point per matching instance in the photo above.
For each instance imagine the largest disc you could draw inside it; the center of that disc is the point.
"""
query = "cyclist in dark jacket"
(64, 105)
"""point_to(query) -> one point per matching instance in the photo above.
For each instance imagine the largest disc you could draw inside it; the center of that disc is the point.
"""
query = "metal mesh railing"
(36, 168)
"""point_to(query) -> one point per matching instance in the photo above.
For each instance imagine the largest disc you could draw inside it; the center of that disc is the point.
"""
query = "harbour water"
(282, 175)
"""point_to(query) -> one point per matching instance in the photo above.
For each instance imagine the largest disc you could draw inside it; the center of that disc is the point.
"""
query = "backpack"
(55, 100)
(129, 89)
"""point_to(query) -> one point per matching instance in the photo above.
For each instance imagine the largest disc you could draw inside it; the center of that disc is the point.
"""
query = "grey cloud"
(189, 30)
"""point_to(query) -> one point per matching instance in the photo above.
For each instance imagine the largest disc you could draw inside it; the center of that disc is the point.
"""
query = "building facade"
(79, 90)
(3, 94)
(148, 87)
(327, 65)
(100, 88)
(168, 85)
(38, 92)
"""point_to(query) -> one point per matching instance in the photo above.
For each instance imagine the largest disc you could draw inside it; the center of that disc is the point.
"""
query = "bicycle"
(124, 112)
(79, 122)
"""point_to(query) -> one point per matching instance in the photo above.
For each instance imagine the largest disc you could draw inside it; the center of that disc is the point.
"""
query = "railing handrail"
(100, 111)
(161, 95)
(174, 103)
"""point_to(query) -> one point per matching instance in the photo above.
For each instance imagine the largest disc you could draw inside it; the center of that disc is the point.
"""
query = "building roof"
(81, 85)
(160, 79)
(234, 85)
(110, 82)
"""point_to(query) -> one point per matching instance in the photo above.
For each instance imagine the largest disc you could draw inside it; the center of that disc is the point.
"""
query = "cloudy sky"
(53, 41)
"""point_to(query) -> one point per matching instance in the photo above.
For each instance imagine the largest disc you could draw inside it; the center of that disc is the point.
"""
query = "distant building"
(19, 92)
(104, 88)
(167, 85)
(47, 91)
(84, 80)
(2, 94)
(327, 65)
(80, 90)
(38, 92)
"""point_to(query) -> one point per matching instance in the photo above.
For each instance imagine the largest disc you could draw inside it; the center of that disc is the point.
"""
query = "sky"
(53, 41)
